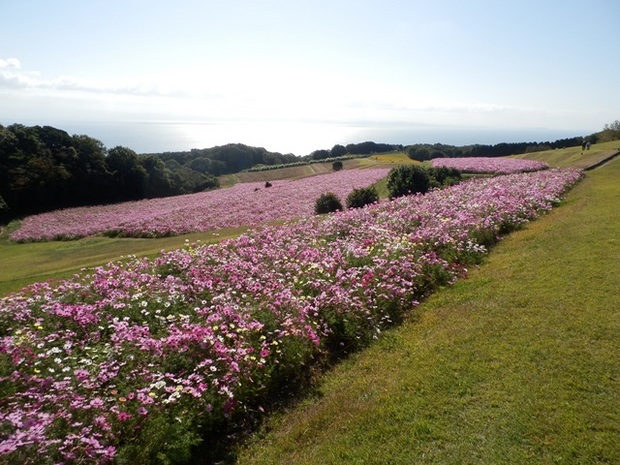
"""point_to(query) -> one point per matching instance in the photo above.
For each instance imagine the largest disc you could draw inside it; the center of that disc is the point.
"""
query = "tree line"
(43, 168)
(361, 148)
(424, 152)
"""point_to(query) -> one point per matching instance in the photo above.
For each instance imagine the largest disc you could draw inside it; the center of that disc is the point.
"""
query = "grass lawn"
(518, 364)
(574, 156)
(23, 264)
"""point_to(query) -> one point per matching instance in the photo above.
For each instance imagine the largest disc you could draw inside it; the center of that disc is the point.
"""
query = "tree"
(418, 153)
(159, 181)
(338, 150)
(320, 154)
(610, 132)
(337, 165)
(3, 208)
(128, 173)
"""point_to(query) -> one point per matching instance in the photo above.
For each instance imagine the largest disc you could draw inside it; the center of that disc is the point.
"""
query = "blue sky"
(306, 74)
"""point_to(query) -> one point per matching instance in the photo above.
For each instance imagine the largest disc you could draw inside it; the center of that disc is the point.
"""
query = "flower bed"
(134, 359)
(490, 165)
(240, 205)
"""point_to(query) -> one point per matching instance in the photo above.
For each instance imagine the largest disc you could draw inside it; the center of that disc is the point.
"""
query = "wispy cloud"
(10, 63)
(13, 76)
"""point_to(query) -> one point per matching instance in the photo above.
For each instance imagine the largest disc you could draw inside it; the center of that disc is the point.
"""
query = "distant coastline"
(296, 138)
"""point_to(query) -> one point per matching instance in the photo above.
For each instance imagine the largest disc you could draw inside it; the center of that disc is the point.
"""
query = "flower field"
(129, 362)
(490, 165)
(240, 205)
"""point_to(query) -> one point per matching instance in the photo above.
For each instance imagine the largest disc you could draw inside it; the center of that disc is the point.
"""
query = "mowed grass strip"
(24, 264)
(518, 364)
(574, 157)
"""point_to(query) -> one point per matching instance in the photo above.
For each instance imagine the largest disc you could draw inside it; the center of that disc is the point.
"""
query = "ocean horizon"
(295, 138)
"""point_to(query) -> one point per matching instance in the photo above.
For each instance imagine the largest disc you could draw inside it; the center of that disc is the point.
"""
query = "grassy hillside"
(296, 172)
(574, 156)
(518, 364)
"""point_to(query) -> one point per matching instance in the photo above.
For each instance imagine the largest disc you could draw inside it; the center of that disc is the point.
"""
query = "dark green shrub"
(419, 153)
(408, 179)
(327, 203)
(443, 176)
(359, 198)
(337, 165)
(414, 179)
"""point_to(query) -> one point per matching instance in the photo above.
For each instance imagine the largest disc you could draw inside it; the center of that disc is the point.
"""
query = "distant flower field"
(129, 361)
(240, 205)
(490, 165)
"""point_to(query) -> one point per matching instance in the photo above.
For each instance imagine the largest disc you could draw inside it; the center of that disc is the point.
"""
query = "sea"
(287, 138)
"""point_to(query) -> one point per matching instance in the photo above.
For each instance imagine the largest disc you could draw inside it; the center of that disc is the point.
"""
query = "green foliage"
(419, 153)
(327, 203)
(407, 180)
(361, 197)
(443, 176)
(44, 168)
(337, 165)
(610, 132)
(338, 150)
(415, 179)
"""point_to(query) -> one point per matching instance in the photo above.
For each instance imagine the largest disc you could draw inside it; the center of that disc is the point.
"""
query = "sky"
(294, 76)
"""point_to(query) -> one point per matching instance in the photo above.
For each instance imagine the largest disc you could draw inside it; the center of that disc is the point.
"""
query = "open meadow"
(149, 356)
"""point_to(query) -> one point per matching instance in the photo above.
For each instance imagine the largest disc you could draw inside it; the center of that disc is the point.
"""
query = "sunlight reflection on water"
(299, 138)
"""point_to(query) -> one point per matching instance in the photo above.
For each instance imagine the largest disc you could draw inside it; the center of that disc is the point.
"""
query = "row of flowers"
(241, 205)
(490, 165)
(132, 362)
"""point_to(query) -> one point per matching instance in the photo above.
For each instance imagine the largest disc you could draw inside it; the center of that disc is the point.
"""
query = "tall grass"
(518, 364)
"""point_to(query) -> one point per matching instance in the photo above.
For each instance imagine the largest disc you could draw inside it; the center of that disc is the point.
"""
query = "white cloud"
(10, 63)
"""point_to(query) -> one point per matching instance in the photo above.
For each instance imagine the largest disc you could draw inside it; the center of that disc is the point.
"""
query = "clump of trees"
(43, 168)
(226, 159)
(415, 179)
(610, 132)
(362, 148)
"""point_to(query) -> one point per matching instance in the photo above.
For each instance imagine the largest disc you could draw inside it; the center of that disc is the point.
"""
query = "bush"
(444, 176)
(414, 179)
(337, 165)
(408, 179)
(327, 203)
(361, 197)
